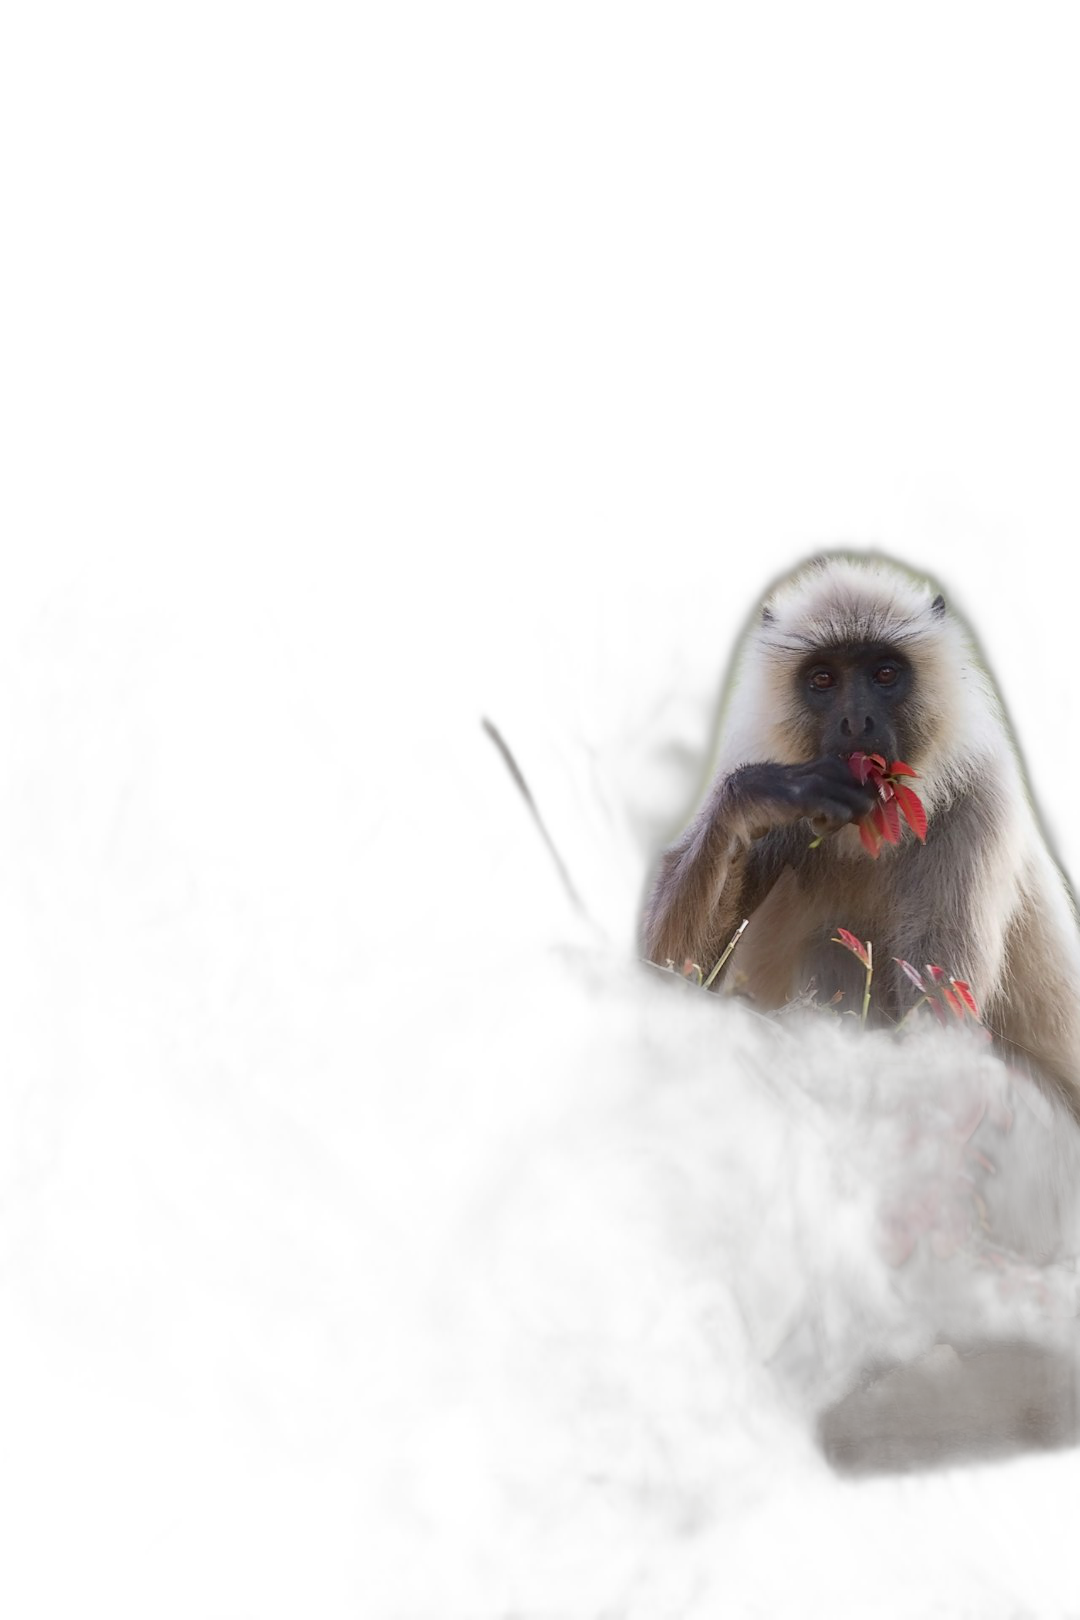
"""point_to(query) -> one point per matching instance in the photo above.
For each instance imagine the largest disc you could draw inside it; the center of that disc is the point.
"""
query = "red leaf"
(935, 972)
(871, 841)
(888, 820)
(882, 824)
(914, 814)
(953, 1001)
(867, 767)
(963, 990)
(913, 974)
(964, 1097)
(854, 945)
(938, 1011)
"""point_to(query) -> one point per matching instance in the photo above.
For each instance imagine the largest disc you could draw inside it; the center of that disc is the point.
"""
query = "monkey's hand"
(824, 792)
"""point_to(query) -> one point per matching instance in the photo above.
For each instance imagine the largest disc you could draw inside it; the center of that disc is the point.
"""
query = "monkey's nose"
(849, 730)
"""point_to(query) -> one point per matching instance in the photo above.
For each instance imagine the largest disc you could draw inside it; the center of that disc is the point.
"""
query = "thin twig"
(807, 1001)
(523, 788)
(735, 938)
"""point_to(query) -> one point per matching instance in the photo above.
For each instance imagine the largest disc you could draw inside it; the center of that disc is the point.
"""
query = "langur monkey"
(848, 655)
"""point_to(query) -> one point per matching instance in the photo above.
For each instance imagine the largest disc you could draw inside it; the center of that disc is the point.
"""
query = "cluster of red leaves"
(941, 1201)
(882, 825)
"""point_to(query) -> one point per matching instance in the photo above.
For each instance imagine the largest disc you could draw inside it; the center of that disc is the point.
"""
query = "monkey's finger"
(831, 815)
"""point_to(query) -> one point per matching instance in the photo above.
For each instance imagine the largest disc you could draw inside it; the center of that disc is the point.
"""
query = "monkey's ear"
(767, 615)
(937, 606)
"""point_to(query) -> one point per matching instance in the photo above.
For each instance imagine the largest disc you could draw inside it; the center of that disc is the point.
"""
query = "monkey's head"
(856, 654)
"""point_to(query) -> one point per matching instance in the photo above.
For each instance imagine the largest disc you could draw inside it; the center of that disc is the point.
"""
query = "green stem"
(734, 940)
(869, 978)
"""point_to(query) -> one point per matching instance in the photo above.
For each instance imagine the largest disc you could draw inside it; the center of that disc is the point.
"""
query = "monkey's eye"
(822, 679)
(886, 674)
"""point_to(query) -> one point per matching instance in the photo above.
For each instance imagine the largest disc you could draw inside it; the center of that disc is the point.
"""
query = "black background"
(279, 992)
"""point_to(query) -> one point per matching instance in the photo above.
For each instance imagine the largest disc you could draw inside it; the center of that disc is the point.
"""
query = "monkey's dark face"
(855, 698)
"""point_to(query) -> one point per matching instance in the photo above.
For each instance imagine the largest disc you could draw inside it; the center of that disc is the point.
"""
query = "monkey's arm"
(724, 862)
(1035, 1011)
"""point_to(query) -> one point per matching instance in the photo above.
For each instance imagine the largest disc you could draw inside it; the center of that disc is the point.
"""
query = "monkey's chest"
(788, 948)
